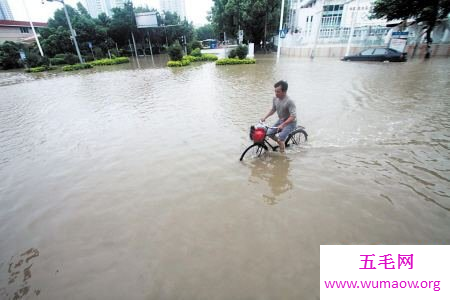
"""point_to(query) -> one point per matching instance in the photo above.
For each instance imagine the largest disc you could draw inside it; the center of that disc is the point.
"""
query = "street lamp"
(70, 27)
(279, 31)
(32, 28)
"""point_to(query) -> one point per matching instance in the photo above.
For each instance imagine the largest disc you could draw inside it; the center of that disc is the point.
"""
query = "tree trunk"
(429, 41)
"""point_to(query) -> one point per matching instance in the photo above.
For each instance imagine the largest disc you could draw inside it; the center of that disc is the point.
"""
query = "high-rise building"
(176, 6)
(5, 11)
(96, 7)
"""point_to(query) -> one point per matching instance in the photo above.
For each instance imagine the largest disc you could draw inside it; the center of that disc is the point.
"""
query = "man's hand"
(280, 127)
(263, 120)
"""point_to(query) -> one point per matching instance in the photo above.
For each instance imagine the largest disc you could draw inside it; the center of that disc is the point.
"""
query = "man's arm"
(271, 112)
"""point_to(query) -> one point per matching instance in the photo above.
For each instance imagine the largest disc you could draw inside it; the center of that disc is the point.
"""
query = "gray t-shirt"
(285, 108)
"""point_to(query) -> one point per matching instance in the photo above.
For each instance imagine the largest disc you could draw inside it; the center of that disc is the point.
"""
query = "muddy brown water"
(124, 182)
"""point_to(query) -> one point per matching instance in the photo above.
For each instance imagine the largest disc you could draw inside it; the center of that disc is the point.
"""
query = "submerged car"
(377, 54)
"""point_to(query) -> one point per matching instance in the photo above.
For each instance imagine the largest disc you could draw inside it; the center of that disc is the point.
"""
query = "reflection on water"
(128, 179)
(273, 170)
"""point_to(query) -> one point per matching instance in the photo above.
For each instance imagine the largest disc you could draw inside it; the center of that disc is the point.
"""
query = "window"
(379, 51)
(367, 52)
(332, 15)
(24, 29)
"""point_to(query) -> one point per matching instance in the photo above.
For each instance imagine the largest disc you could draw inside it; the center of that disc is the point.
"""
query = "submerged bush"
(39, 69)
(235, 61)
(71, 59)
(77, 67)
(57, 61)
(232, 53)
(178, 63)
(242, 51)
(187, 59)
(112, 61)
(196, 52)
(175, 52)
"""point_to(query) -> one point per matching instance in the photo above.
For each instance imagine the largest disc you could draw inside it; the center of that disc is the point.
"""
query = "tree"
(230, 15)
(56, 38)
(205, 32)
(123, 23)
(429, 12)
(9, 55)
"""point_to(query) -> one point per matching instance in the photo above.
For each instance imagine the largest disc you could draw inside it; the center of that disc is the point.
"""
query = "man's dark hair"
(283, 84)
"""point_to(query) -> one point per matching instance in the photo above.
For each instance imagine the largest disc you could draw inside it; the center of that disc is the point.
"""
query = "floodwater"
(125, 183)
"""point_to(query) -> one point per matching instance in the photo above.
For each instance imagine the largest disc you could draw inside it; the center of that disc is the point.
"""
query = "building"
(96, 7)
(5, 11)
(175, 6)
(18, 31)
(332, 21)
(337, 27)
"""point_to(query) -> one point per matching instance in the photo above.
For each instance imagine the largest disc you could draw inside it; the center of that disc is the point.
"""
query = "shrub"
(32, 60)
(175, 52)
(57, 61)
(232, 53)
(71, 59)
(76, 67)
(9, 55)
(235, 61)
(60, 55)
(39, 69)
(113, 61)
(196, 52)
(242, 51)
(189, 58)
(36, 60)
(196, 44)
(178, 63)
(35, 70)
(209, 57)
(98, 52)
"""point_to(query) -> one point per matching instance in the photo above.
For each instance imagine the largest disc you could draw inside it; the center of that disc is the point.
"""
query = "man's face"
(279, 93)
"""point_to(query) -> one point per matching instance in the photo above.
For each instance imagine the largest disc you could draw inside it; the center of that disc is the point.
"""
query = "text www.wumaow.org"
(383, 284)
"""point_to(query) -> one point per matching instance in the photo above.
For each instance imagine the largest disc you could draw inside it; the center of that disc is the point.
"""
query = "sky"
(196, 10)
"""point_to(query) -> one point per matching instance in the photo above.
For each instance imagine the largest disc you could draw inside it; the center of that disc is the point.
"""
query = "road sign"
(282, 34)
(241, 36)
(90, 44)
(400, 35)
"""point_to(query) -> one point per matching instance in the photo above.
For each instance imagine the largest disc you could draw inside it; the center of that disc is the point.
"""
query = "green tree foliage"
(205, 32)
(123, 23)
(242, 51)
(56, 37)
(175, 52)
(258, 18)
(104, 33)
(429, 12)
(9, 55)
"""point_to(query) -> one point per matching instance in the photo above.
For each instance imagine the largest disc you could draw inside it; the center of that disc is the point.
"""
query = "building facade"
(332, 21)
(5, 11)
(18, 31)
(335, 27)
(96, 7)
(176, 6)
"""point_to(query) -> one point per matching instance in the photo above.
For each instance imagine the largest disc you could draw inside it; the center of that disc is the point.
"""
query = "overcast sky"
(196, 10)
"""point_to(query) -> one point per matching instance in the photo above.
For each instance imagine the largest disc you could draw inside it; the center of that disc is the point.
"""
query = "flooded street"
(125, 183)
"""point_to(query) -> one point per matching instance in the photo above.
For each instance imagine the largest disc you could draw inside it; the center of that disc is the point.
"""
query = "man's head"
(280, 89)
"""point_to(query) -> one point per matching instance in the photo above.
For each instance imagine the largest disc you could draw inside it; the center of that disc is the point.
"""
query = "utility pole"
(72, 32)
(279, 31)
(32, 28)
